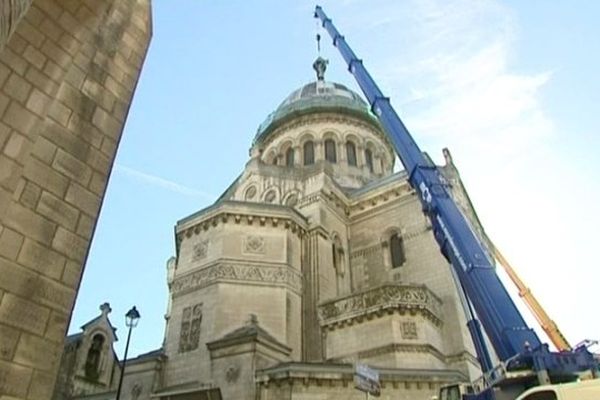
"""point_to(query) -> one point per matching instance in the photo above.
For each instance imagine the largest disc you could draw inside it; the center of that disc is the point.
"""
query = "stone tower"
(68, 70)
(317, 256)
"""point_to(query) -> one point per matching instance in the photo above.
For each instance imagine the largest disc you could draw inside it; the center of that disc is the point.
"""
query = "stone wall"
(67, 76)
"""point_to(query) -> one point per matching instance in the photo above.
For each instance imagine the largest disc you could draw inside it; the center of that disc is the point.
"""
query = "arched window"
(334, 257)
(289, 157)
(92, 362)
(330, 153)
(351, 153)
(250, 193)
(397, 250)
(271, 196)
(309, 153)
(275, 159)
(291, 200)
(369, 159)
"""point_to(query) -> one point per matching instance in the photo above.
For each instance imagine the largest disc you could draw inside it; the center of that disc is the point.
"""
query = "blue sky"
(510, 87)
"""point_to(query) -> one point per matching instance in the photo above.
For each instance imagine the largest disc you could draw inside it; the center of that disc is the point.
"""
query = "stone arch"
(250, 192)
(332, 145)
(354, 137)
(288, 153)
(331, 150)
(291, 198)
(94, 354)
(271, 157)
(331, 134)
(271, 195)
(305, 136)
(394, 250)
(308, 152)
(370, 158)
(284, 145)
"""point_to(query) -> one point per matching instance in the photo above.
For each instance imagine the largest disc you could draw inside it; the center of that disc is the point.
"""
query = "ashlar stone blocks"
(68, 70)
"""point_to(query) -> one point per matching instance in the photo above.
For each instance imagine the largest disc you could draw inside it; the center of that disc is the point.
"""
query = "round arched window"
(292, 200)
(330, 151)
(250, 193)
(270, 196)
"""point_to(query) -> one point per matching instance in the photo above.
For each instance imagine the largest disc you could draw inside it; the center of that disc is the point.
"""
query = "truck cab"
(584, 390)
(454, 391)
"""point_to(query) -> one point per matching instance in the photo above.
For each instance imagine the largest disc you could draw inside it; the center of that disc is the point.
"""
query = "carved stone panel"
(136, 390)
(408, 329)
(232, 373)
(200, 250)
(254, 244)
(189, 335)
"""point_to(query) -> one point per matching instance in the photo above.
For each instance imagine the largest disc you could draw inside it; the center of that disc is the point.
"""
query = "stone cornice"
(259, 214)
(353, 207)
(396, 348)
(317, 374)
(336, 203)
(379, 301)
(375, 200)
(269, 274)
(255, 339)
(410, 348)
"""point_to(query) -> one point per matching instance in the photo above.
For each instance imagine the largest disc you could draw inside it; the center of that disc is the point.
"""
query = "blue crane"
(515, 343)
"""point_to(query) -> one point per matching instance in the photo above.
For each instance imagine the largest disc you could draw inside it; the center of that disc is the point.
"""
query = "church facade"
(316, 257)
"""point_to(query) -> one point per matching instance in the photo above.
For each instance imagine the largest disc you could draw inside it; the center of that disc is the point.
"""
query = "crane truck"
(524, 361)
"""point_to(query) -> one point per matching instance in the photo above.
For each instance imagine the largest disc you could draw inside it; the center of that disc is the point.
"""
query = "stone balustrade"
(381, 300)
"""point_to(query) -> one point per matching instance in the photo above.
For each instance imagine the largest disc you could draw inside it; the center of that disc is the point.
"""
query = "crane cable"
(318, 36)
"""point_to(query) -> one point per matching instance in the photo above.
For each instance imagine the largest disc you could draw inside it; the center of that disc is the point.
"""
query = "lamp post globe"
(132, 317)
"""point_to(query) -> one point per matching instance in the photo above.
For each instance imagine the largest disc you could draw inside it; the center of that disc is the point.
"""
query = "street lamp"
(131, 320)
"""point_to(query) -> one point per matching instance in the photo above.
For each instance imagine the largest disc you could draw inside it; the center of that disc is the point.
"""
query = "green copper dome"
(317, 96)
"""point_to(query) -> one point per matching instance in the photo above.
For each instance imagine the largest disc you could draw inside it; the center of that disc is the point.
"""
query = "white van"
(584, 390)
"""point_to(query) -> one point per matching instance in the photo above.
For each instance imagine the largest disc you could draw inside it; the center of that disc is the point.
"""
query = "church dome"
(316, 96)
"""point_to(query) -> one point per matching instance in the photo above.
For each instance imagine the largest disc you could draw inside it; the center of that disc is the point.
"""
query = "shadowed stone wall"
(68, 69)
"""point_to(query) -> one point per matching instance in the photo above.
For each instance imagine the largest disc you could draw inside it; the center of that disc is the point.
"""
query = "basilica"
(316, 257)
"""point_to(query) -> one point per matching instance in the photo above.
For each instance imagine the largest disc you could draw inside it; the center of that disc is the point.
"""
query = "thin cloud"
(163, 183)
(447, 66)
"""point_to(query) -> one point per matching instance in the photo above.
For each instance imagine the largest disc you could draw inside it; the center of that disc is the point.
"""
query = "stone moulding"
(278, 275)
(341, 375)
(378, 301)
(239, 212)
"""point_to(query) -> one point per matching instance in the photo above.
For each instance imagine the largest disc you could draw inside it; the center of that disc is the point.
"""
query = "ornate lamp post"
(131, 320)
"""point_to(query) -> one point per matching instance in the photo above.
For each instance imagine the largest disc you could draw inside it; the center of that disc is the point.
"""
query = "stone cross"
(105, 308)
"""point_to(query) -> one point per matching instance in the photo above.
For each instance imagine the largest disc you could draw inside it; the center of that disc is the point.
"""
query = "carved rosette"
(381, 300)
(281, 275)
(232, 373)
(200, 250)
(254, 244)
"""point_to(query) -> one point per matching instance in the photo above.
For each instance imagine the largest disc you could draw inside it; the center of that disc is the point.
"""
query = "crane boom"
(516, 344)
(547, 324)
(500, 317)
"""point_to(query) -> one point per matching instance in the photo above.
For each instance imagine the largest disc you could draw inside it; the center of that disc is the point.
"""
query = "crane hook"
(318, 44)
